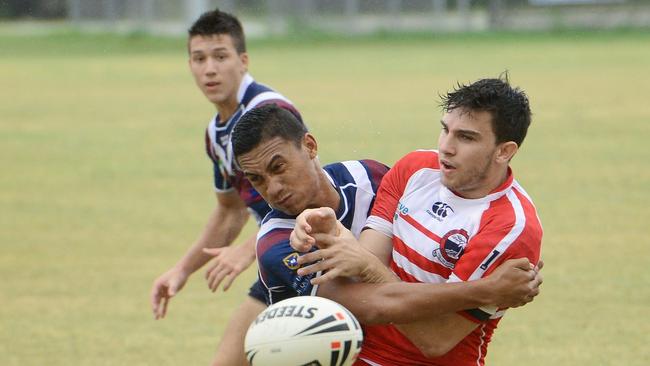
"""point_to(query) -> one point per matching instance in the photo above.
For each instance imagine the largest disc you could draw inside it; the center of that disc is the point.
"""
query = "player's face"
(468, 153)
(286, 175)
(217, 68)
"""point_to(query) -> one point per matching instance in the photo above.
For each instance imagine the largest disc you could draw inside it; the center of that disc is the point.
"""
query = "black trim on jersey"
(478, 314)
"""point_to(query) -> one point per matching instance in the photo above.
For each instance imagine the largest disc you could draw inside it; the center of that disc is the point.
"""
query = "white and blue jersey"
(217, 142)
(357, 183)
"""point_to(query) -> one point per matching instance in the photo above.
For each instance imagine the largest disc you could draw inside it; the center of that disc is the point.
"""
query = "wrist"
(183, 269)
(376, 272)
(484, 290)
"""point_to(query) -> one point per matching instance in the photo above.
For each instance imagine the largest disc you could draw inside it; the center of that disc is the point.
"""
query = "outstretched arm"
(228, 263)
(223, 226)
(513, 284)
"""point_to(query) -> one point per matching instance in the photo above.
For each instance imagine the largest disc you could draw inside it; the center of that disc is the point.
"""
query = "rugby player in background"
(219, 63)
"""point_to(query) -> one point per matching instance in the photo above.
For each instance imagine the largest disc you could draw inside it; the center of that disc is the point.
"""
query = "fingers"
(537, 280)
(163, 311)
(311, 257)
(330, 275)
(314, 268)
(155, 302)
(228, 281)
(521, 263)
(539, 265)
(213, 251)
(300, 241)
(321, 220)
(216, 276)
(159, 300)
(324, 240)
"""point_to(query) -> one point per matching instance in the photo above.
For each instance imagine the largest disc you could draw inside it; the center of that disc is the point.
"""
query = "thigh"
(230, 351)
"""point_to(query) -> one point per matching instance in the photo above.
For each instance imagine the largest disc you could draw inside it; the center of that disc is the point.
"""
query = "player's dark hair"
(217, 22)
(264, 123)
(508, 106)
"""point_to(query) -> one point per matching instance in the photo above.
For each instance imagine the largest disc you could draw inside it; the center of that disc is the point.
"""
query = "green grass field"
(105, 183)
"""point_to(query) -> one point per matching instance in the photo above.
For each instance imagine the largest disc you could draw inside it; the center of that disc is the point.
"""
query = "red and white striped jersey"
(439, 237)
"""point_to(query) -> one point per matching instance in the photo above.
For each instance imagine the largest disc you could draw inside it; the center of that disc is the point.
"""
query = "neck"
(497, 180)
(328, 195)
(227, 109)
(488, 185)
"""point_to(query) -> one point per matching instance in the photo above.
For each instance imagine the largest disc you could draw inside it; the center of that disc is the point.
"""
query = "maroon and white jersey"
(440, 237)
(227, 177)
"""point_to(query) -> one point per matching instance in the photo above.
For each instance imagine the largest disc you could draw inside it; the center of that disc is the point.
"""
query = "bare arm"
(434, 328)
(394, 302)
(223, 226)
(229, 262)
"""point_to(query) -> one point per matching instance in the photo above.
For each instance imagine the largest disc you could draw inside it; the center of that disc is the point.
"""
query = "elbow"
(435, 349)
(385, 311)
(370, 316)
(371, 312)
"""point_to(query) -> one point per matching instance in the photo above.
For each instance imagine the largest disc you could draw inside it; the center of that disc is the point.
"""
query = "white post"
(194, 9)
(74, 10)
(439, 6)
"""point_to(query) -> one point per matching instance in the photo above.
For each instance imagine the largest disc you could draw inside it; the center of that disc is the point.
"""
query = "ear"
(310, 144)
(243, 57)
(505, 151)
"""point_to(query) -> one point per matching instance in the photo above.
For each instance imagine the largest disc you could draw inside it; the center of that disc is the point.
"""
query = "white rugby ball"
(304, 331)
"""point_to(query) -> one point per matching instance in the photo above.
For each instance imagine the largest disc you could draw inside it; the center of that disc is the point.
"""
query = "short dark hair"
(216, 22)
(508, 106)
(264, 123)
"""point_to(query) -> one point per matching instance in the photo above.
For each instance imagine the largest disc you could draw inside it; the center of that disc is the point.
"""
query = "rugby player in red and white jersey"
(451, 215)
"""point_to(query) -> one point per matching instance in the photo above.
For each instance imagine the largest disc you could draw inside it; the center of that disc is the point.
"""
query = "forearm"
(222, 228)
(376, 272)
(394, 302)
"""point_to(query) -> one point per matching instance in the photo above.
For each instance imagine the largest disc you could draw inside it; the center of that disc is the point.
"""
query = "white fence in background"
(272, 17)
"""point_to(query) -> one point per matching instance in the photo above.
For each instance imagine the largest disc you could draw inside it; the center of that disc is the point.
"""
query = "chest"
(432, 226)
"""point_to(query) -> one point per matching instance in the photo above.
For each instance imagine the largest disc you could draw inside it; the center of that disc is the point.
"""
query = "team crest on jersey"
(291, 261)
(440, 210)
(452, 246)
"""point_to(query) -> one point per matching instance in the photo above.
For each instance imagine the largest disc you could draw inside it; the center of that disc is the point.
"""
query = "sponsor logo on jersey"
(401, 210)
(291, 261)
(440, 211)
(452, 247)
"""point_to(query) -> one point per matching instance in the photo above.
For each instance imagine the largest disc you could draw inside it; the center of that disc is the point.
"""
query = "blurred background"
(104, 182)
(349, 17)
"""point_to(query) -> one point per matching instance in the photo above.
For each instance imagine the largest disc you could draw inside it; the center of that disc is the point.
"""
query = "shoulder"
(257, 95)
(419, 159)
(512, 221)
(275, 229)
(356, 172)
(411, 165)
(211, 127)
